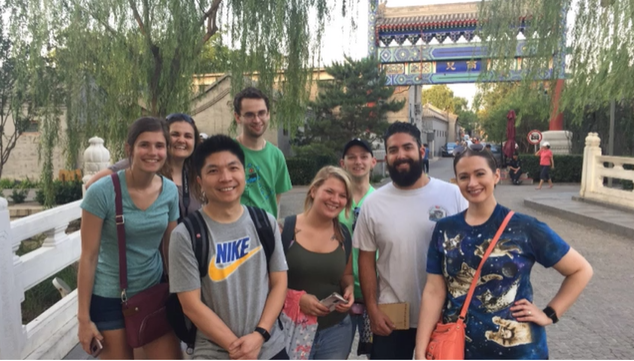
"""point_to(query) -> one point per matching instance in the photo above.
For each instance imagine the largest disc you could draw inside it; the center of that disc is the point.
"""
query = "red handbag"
(448, 339)
(144, 314)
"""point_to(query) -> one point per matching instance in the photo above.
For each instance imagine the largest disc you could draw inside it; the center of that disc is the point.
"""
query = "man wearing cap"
(358, 160)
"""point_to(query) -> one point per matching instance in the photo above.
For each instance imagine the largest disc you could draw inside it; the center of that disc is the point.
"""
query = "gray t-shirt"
(236, 286)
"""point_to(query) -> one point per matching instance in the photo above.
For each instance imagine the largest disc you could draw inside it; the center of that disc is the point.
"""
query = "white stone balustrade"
(594, 172)
(53, 333)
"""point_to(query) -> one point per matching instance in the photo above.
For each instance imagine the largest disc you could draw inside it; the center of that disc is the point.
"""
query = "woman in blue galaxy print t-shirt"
(502, 322)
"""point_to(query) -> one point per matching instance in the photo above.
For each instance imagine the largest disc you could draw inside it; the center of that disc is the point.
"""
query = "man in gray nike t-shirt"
(236, 305)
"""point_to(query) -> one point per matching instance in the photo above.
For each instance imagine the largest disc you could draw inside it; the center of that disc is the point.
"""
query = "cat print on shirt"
(510, 333)
(501, 249)
(459, 285)
(494, 304)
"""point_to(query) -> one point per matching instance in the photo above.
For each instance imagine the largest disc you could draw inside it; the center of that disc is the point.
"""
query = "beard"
(406, 178)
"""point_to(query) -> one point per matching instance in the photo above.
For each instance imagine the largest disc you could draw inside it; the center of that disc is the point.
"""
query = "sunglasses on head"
(476, 147)
(179, 117)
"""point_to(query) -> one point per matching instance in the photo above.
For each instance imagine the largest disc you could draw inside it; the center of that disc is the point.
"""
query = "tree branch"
(210, 17)
(139, 21)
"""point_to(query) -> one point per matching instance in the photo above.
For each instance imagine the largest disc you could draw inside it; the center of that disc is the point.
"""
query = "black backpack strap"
(264, 229)
(347, 241)
(199, 237)
(288, 232)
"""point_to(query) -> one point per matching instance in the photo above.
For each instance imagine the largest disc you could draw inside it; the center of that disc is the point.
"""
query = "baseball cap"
(360, 142)
(545, 144)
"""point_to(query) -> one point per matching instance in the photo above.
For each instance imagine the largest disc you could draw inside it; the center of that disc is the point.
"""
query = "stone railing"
(53, 333)
(595, 171)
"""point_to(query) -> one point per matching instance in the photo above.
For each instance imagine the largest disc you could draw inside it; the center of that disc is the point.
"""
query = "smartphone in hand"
(333, 300)
(95, 347)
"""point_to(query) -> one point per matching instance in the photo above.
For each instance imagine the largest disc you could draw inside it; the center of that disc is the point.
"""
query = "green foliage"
(568, 168)
(41, 297)
(599, 66)
(20, 100)
(442, 98)
(376, 178)
(40, 197)
(44, 295)
(303, 169)
(6, 183)
(315, 150)
(353, 104)
(115, 60)
(497, 99)
(19, 195)
(63, 192)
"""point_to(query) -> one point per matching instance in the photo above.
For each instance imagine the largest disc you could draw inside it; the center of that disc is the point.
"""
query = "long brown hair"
(188, 164)
(325, 173)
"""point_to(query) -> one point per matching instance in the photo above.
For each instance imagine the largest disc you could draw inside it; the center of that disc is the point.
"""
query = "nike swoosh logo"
(220, 274)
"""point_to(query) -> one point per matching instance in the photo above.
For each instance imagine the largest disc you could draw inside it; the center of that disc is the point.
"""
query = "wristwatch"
(265, 334)
(551, 314)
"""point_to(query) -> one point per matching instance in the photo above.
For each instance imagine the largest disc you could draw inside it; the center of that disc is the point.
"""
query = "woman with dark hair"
(184, 139)
(502, 321)
(150, 210)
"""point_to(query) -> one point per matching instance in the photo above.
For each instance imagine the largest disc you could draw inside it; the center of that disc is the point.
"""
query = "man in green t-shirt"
(358, 160)
(265, 166)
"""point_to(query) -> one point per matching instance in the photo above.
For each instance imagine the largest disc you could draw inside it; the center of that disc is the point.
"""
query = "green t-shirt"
(266, 177)
(349, 222)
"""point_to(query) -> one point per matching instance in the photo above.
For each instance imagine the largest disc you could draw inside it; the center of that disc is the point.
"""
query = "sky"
(340, 38)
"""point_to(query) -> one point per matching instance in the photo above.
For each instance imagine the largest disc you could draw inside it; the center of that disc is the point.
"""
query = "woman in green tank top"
(318, 257)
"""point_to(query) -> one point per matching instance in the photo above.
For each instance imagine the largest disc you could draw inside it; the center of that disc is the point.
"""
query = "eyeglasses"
(176, 117)
(251, 116)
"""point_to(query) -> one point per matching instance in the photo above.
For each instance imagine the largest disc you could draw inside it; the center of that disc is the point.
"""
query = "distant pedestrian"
(426, 159)
(546, 163)
(515, 169)
(502, 322)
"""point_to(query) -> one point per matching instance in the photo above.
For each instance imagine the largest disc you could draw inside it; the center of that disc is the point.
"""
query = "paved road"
(600, 324)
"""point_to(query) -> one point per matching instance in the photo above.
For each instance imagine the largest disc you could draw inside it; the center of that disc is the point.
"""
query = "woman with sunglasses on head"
(184, 138)
(502, 322)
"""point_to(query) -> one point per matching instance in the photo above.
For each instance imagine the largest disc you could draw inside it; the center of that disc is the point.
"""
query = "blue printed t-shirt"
(266, 177)
(144, 231)
(350, 222)
(456, 251)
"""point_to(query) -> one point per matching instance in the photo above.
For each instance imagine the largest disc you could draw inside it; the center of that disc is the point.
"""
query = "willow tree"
(596, 35)
(123, 58)
(37, 83)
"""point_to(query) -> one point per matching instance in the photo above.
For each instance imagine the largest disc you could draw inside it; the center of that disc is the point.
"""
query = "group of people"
(414, 242)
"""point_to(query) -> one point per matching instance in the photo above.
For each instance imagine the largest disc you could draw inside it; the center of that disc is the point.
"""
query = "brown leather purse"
(448, 339)
(144, 314)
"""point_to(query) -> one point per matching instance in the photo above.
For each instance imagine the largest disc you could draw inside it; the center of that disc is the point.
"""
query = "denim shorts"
(106, 313)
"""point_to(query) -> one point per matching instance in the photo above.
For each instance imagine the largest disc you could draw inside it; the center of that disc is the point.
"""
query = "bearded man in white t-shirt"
(398, 220)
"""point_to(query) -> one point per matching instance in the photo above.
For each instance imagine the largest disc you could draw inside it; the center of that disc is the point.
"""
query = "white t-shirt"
(399, 223)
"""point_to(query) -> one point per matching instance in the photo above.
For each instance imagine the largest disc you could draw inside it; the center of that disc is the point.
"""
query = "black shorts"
(544, 173)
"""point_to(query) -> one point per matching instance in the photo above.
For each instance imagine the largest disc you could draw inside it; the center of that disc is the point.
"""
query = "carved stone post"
(12, 336)
(589, 183)
(96, 158)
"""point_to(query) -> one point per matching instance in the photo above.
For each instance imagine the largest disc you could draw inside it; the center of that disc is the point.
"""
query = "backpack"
(288, 234)
(184, 329)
